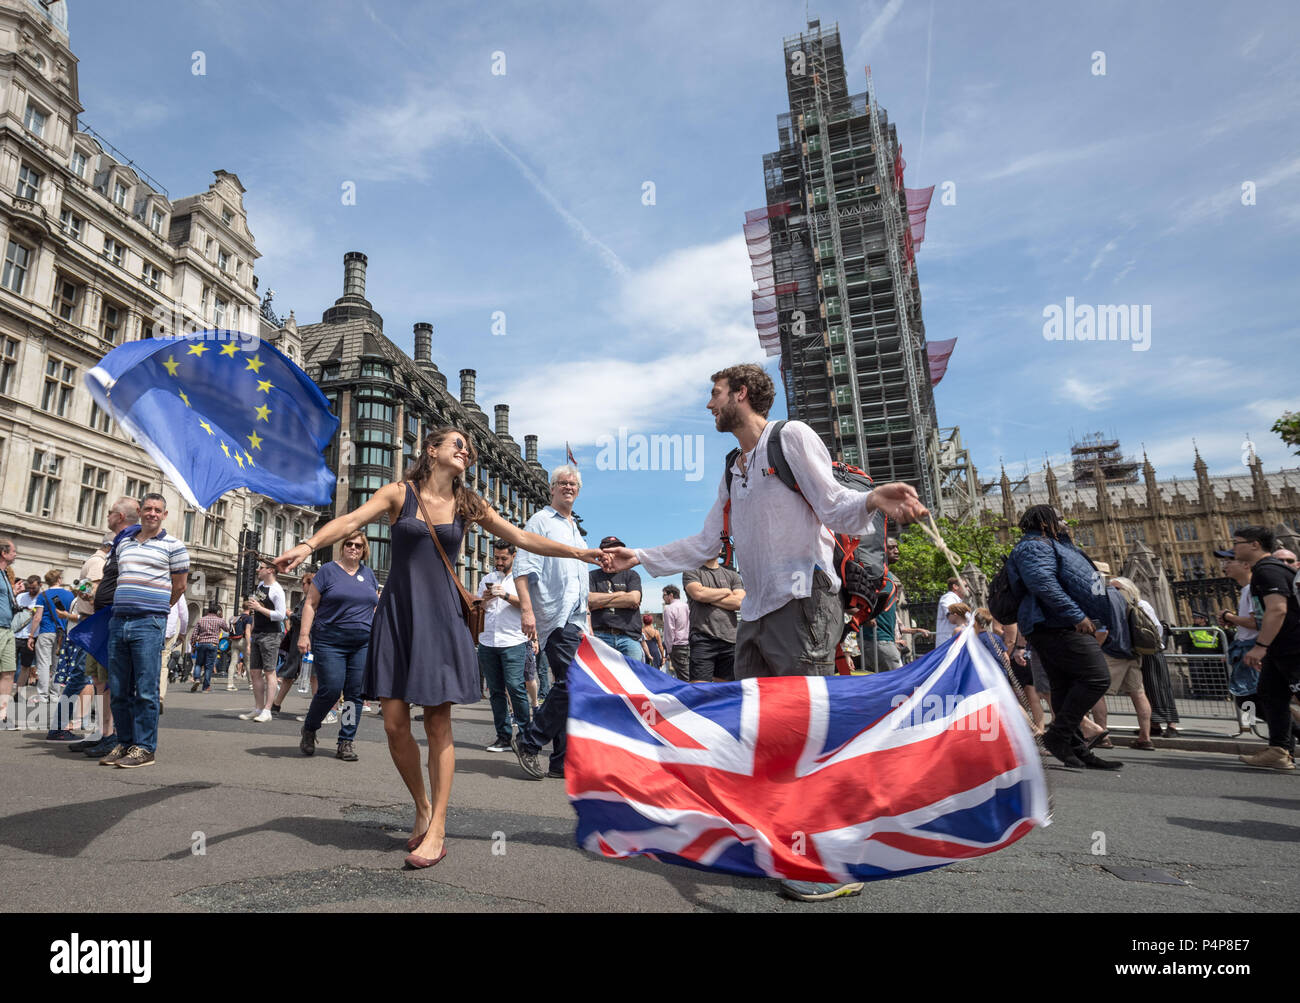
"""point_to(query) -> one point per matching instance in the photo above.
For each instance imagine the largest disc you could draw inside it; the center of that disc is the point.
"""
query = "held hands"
(619, 559)
(898, 501)
(592, 555)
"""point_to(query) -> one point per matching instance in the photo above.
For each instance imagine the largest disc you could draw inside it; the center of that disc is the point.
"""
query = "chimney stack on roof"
(530, 448)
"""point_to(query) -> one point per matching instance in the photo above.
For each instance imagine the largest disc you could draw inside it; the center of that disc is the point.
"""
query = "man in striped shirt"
(152, 568)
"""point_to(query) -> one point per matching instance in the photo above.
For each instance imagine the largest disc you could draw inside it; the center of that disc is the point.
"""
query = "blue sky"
(522, 193)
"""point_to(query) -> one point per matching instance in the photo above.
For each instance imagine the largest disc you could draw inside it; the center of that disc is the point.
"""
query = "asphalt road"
(281, 832)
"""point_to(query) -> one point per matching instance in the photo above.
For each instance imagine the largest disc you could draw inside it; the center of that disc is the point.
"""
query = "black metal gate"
(1205, 595)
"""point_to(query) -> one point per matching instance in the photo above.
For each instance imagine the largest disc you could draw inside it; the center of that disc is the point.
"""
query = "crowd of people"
(424, 641)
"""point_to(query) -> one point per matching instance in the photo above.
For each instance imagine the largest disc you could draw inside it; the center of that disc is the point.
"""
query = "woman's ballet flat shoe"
(416, 863)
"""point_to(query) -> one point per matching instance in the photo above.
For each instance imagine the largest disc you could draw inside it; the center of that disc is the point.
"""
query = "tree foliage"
(1288, 427)
(922, 568)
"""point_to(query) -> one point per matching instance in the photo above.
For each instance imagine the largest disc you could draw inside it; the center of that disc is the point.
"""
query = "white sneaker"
(250, 715)
(232, 687)
(331, 718)
(262, 716)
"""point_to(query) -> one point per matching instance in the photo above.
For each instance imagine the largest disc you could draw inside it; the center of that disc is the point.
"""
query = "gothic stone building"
(1179, 522)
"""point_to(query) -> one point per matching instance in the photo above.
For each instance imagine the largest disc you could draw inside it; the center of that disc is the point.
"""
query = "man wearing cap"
(614, 599)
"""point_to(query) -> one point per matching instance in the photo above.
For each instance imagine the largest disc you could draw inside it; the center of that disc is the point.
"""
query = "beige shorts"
(95, 672)
(8, 659)
(1125, 676)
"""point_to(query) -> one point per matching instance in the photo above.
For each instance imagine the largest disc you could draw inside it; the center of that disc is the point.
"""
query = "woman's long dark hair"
(469, 506)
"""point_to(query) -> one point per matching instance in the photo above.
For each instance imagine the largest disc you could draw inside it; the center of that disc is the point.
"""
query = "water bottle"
(304, 673)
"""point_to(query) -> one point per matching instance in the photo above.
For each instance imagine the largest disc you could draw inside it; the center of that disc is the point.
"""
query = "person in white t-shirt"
(957, 593)
(502, 647)
(792, 615)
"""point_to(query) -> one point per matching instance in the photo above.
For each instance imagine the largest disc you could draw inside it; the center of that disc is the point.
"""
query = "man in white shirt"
(792, 615)
(957, 592)
(178, 623)
(502, 647)
(262, 637)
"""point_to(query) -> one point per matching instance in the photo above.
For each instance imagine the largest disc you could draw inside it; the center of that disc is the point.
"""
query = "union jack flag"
(824, 778)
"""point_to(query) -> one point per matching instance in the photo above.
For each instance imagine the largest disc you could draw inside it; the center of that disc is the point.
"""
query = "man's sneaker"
(62, 736)
(249, 715)
(347, 753)
(136, 757)
(331, 718)
(194, 687)
(499, 746)
(84, 744)
(232, 687)
(555, 774)
(527, 761)
(1093, 762)
(1272, 758)
(119, 752)
(307, 743)
(813, 891)
(101, 748)
(262, 716)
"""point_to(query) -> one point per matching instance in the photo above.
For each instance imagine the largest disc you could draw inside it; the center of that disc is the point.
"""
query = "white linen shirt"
(781, 536)
(557, 586)
(942, 628)
(502, 622)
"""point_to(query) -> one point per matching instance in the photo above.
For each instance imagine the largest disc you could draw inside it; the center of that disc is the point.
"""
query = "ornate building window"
(1084, 536)
(43, 488)
(71, 224)
(111, 322)
(67, 297)
(100, 420)
(34, 120)
(114, 251)
(1185, 531)
(1193, 564)
(136, 489)
(1135, 533)
(17, 260)
(29, 183)
(78, 165)
(60, 381)
(8, 364)
(94, 494)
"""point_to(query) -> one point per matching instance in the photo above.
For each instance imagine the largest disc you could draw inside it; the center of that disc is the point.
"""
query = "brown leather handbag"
(471, 607)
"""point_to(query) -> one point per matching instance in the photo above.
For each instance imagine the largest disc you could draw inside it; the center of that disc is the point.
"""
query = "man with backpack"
(1059, 602)
(792, 613)
(1134, 633)
(1276, 652)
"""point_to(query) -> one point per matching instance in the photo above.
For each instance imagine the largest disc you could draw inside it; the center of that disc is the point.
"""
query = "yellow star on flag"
(266, 386)
(184, 398)
(255, 364)
(254, 440)
(171, 365)
(230, 349)
(250, 460)
(206, 427)
(197, 350)
(240, 460)
(225, 449)
(263, 413)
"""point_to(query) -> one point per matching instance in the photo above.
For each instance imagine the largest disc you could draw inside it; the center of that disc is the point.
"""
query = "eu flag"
(219, 410)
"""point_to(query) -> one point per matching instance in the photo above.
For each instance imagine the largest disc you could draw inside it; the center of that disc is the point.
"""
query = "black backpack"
(859, 561)
(1004, 598)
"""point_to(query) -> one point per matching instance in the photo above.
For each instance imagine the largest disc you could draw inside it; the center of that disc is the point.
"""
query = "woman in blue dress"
(421, 651)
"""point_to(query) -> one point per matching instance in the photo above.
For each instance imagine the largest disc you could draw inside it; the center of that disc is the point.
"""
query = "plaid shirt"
(209, 628)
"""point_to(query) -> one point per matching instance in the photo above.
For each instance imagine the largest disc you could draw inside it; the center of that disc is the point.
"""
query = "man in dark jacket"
(1064, 604)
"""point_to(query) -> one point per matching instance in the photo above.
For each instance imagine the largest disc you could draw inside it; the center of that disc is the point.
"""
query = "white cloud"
(875, 31)
(1089, 396)
(673, 323)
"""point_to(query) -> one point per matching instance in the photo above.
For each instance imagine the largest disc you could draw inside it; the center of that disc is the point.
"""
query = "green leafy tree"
(922, 567)
(1288, 427)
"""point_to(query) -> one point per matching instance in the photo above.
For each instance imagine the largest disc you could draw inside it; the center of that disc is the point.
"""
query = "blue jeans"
(625, 645)
(503, 669)
(1244, 679)
(205, 659)
(551, 722)
(339, 662)
(134, 659)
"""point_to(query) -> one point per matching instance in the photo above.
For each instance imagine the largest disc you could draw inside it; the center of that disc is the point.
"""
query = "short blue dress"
(421, 650)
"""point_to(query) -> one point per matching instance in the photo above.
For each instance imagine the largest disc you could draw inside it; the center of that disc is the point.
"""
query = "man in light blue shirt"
(553, 609)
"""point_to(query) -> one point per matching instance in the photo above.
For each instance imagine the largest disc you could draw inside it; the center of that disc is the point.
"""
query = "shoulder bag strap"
(465, 597)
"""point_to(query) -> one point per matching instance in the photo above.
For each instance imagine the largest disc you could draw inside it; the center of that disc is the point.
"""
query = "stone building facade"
(388, 401)
(1179, 522)
(97, 254)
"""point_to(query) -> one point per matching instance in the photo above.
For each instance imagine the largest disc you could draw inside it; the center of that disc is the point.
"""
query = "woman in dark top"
(420, 648)
(651, 642)
(336, 616)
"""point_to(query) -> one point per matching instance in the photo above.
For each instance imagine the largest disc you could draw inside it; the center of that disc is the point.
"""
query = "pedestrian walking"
(1276, 651)
(49, 624)
(203, 641)
(421, 650)
(792, 611)
(1123, 661)
(290, 666)
(8, 650)
(178, 624)
(153, 567)
(338, 613)
(267, 607)
(1063, 602)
